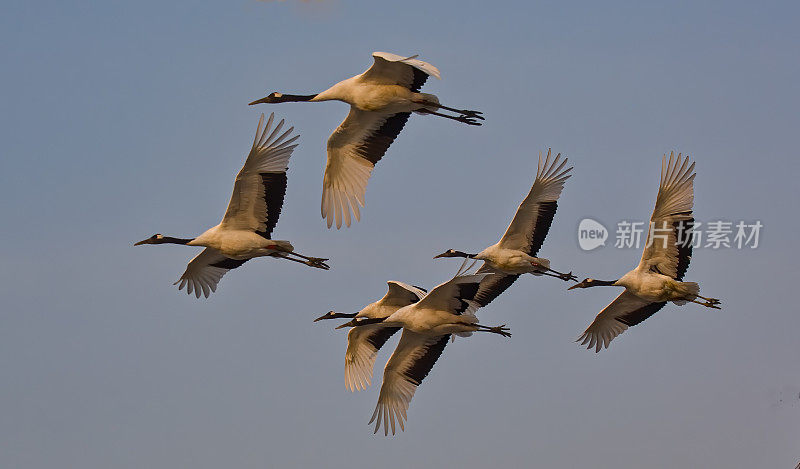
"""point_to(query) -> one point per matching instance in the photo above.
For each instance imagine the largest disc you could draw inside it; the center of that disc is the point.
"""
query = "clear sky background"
(123, 119)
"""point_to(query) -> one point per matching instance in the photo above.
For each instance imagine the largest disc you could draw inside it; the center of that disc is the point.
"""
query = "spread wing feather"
(457, 295)
(531, 223)
(401, 294)
(410, 363)
(363, 343)
(669, 241)
(394, 69)
(204, 272)
(492, 286)
(260, 186)
(625, 311)
(354, 149)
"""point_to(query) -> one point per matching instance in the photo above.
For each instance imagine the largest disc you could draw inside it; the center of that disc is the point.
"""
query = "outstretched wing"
(363, 344)
(492, 286)
(625, 311)
(260, 186)
(354, 148)
(204, 272)
(401, 294)
(393, 69)
(669, 241)
(457, 295)
(410, 363)
(532, 221)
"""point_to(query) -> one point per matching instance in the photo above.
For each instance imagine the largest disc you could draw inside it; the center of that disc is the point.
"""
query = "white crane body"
(253, 211)
(658, 278)
(240, 244)
(381, 100)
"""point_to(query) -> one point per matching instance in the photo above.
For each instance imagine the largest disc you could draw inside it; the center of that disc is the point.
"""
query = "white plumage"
(658, 277)
(427, 326)
(364, 342)
(410, 363)
(515, 253)
(253, 211)
(381, 100)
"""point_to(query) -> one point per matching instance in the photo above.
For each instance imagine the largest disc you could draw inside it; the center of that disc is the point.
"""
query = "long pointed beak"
(577, 285)
(324, 316)
(440, 255)
(144, 241)
(347, 324)
(260, 101)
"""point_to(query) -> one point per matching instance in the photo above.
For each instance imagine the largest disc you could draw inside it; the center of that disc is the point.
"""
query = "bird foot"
(469, 120)
(502, 330)
(712, 303)
(318, 262)
(471, 114)
(567, 277)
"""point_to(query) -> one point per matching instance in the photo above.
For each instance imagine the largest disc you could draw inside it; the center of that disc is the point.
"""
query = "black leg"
(707, 304)
(311, 261)
(464, 112)
(563, 276)
(465, 119)
(502, 330)
(713, 301)
(314, 259)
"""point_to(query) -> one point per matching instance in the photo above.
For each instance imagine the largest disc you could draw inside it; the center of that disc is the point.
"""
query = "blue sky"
(123, 119)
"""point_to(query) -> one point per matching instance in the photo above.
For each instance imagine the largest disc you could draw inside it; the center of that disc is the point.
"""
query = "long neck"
(464, 254)
(365, 321)
(604, 283)
(294, 98)
(335, 315)
(171, 240)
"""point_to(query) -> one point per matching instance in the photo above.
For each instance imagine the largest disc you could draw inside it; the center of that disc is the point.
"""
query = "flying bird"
(427, 327)
(381, 100)
(658, 277)
(364, 342)
(252, 214)
(515, 253)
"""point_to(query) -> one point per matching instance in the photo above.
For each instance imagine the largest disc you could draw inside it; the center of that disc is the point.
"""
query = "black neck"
(464, 254)
(365, 321)
(603, 283)
(294, 98)
(341, 315)
(171, 240)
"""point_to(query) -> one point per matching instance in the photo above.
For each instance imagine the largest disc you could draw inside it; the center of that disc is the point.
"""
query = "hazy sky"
(123, 119)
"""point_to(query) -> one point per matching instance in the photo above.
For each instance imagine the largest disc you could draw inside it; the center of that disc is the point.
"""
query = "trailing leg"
(559, 275)
(707, 304)
(464, 112)
(310, 261)
(502, 330)
(461, 118)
